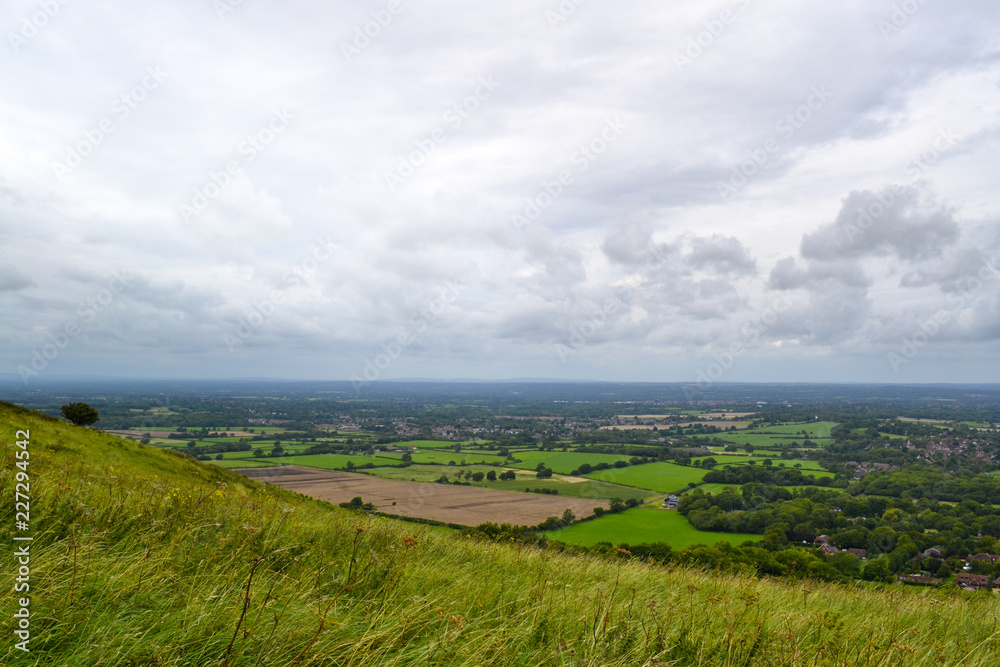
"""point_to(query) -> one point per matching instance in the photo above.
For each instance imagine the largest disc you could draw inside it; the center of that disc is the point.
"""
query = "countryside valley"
(777, 481)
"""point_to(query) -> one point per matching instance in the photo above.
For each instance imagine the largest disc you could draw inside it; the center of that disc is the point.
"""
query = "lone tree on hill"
(80, 414)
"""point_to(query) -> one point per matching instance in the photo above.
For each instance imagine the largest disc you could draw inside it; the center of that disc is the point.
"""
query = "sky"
(731, 191)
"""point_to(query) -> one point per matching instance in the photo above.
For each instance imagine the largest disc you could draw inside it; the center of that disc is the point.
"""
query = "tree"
(145, 439)
(544, 473)
(80, 414)
(491, 476)
(616, 505)
(478, 476)
(568, 516)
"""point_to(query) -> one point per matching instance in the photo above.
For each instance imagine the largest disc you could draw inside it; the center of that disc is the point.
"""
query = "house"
(828, 549)
(973, 581)
(822, 539)
(934, 552)
(860, 553)
(671, 502)
(983, 558)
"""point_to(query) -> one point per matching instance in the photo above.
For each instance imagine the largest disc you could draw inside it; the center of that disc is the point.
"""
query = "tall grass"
(145, 557)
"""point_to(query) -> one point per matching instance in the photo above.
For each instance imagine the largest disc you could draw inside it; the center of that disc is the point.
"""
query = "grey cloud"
(897, 220)
(723, 254)
(12, 280)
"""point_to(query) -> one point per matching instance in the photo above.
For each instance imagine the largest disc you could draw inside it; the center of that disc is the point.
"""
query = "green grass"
(242, 463)
(663, 477)
(643, 525)
(334, 461)
(424, 444)
(562, 462)
(144, 557)
(444, 457)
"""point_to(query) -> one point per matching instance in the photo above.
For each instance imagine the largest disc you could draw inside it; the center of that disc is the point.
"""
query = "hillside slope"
(146, 557)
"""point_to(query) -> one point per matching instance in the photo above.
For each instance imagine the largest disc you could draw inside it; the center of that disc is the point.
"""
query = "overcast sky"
(586, 189)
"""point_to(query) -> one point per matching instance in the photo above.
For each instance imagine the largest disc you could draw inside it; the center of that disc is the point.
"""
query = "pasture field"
(444, 457)
(733, 459)
(659, 476)
(763, 440)
(572, 489)
(782, 434)
(562, 462)
(429, 444)
(335, 461)
(243, 463)
(644, 525)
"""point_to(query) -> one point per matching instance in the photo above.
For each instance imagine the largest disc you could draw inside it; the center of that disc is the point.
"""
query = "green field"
(782, 434)
(562, 462)
(644, 525)
(444, 457)
(663, 477)
(426, 444)
(241, 463)
(334, 461)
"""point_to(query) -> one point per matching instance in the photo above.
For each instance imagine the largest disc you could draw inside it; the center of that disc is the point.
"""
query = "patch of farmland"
(242, 463)
(336, 461)
(445, 457)
(659, 476)
(463, 505)
(563, 462)
(643, 525)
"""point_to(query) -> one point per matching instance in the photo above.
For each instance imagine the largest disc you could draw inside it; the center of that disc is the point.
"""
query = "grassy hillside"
(146, 557)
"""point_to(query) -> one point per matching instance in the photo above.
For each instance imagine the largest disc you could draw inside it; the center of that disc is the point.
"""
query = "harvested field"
(464, 505)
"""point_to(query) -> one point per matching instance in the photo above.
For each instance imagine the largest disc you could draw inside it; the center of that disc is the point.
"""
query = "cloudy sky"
(586, 189)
